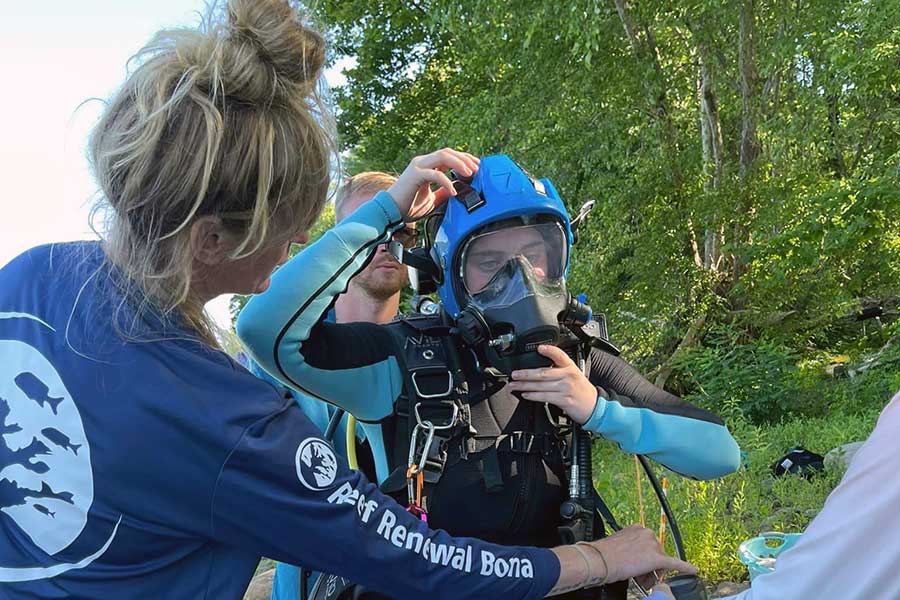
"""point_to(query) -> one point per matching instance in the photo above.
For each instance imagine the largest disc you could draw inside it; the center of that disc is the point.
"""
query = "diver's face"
(489, 253)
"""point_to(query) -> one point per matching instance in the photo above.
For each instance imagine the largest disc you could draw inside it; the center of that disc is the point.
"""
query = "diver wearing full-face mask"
(465, 448)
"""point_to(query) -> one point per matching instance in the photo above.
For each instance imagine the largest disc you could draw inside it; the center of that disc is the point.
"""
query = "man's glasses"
(408, 236)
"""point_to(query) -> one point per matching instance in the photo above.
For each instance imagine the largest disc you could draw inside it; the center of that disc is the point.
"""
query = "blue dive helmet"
(499, 191)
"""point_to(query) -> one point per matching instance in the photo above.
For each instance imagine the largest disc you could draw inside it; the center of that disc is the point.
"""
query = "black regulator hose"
(333, 424)
(664, 503)
(610, 519)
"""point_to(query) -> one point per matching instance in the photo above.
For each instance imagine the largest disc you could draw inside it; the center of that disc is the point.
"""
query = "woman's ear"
(210, 242)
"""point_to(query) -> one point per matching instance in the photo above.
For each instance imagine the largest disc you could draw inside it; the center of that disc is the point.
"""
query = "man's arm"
(350, 365)
(644, 419)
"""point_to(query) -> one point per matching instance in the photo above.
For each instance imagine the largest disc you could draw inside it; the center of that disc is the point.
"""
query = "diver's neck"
(355, 305)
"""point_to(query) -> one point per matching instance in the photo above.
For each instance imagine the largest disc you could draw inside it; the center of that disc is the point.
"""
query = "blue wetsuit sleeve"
(283, 493)
(351, 365)
(643, 419)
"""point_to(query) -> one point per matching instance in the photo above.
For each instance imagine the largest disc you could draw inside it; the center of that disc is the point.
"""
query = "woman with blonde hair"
(136, 458)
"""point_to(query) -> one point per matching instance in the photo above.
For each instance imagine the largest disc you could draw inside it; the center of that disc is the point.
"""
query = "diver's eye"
(535, 258)
(488, 266)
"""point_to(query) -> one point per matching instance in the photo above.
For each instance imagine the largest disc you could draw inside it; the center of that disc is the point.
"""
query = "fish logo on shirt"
(32, 386)
(60, 439)
(46, 478)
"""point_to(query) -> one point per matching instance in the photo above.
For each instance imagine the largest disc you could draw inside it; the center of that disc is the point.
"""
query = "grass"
(715, 516)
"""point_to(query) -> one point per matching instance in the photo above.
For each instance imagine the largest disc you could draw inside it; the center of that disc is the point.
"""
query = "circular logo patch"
(316, 464)
(46, 480)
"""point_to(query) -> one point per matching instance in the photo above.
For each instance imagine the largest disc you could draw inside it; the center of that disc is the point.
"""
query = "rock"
(729, 588)
(841, 457)
(261, 586)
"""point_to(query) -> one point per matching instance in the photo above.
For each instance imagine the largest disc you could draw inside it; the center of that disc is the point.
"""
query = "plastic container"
(759, 553)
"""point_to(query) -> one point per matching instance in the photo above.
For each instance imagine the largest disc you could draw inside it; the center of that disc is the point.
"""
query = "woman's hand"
(634, 551)
(631, 552)
(562, 384)
(412, 190)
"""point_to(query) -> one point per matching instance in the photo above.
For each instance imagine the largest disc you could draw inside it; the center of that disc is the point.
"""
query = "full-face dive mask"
(512, 279)
(498, 257)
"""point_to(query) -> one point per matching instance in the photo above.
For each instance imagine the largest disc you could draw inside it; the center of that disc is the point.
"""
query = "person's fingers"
(447, 158)
(471, 160)
(634, 551)
(411, 192)
(542, 373)
(548, 385)
(675, 564)
(557, 355)
(422, 203)
(434, 175)
(551, 397)
(661, 587)
(441, 195)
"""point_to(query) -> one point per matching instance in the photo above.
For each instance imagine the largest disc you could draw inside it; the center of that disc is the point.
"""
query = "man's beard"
(381, 284)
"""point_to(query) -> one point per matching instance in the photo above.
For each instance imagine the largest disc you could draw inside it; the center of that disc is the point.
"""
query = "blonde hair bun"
(268, 31)
(258, 52)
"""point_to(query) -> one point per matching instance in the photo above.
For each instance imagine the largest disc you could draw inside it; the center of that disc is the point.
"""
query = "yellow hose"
(351, 442)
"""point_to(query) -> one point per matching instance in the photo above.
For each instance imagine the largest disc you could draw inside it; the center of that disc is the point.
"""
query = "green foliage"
(757, 379)
(765, 381)
(808, 230)
(715, 516)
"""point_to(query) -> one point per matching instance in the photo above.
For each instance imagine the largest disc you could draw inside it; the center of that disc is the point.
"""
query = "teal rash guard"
(356, 366)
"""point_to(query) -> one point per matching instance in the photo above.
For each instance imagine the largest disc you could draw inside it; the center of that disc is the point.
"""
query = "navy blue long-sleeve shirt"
(139, 462)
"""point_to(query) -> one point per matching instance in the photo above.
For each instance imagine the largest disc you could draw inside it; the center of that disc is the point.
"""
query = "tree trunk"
(689, 340)
(713, 159)
(656, 87)
(714, 169)
(749, 88)
(750, 149)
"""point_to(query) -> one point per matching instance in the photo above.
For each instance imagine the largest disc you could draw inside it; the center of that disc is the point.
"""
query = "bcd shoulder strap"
(437, 390)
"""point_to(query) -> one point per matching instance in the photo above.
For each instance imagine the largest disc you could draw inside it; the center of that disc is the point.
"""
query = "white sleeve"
(851, 550)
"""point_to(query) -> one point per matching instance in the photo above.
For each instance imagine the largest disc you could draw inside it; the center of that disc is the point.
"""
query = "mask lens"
(539, 248)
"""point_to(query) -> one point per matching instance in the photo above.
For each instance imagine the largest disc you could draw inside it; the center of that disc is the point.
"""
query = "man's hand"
(563, 384)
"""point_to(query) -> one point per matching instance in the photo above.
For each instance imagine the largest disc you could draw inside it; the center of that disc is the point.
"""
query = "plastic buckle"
(454, 416)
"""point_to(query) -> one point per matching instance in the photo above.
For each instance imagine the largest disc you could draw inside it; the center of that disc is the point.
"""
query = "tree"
(745, 155)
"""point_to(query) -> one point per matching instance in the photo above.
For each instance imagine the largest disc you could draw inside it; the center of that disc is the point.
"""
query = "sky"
(55, 55)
